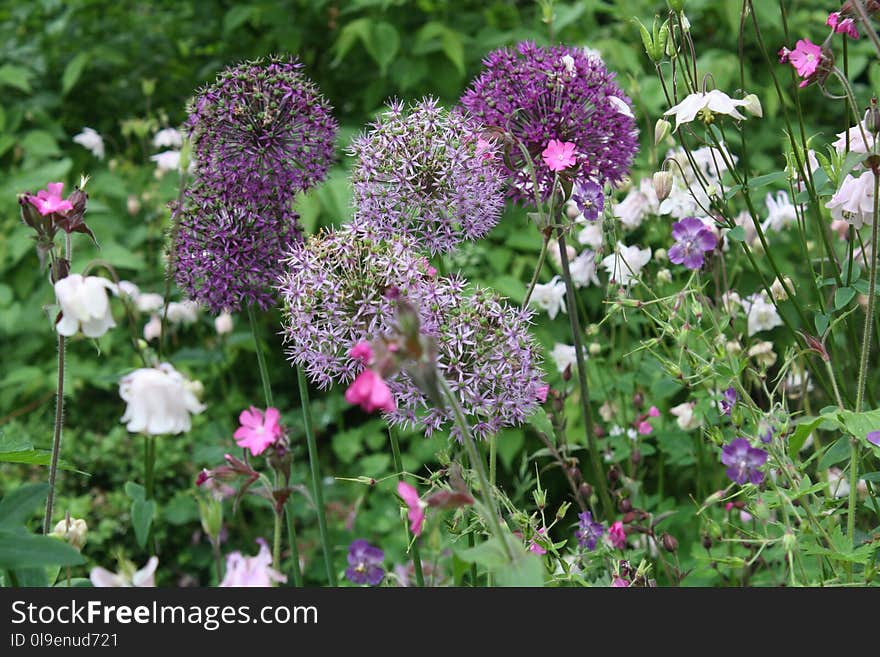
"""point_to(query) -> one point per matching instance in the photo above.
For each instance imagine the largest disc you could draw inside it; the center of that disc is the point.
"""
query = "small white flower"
(780, 287)
(583, 269)
(550, 297)
(685, 417)
(564, 356)
(591, 235)
(854, 201)
(91, 141)
(632, 434)
(568, 63)
(716, 102)
(145, 577)
(84, 305)
(620, 105)
(128, 289)
(763, 353)
(553, 252)
(183, 312)
(731, 302)
(153, 328)
(166, 161)
(861, 140)
(592, 54)
(781, 212)
(159, 401)
(149, 302)
(626, 263)
(223, 324)
(639, 202)
(168, 138)
(762, 315)
(607, 411)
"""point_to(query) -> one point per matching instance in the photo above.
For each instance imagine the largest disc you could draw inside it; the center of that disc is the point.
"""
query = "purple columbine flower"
(693, 239)
(537, 94)
(743, 461)
(589, 199)
(588, 532)
(874, 437)
(365, 563)
(728, 400)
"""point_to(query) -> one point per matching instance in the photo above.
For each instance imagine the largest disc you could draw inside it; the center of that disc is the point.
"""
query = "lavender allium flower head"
(226, 254)
(427, 174)
(365, 563)
(490, 359)
(588, 532)
(589, 198)
(539, 94)
(261, 130)
(693, 239)
(743, 461)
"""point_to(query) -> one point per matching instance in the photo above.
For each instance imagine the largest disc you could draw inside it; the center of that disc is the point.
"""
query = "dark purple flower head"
(692, 240)
(227, 254)
(743, 461)
(728, 400)
(540, 94)
(874, 437)
(426, 174)
(261, 131)
(589, 199)
(588, 532)
(365, 563)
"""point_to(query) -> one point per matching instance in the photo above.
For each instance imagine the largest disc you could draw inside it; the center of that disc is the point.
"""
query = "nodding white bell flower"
(781, 212)
(714, 102)
(685, 417)
(166, 161)
(762, 314)
(639, 202)
(223, 324)
(626, 263)
(160, 400)
(583, 269)
(620, 105)
(183, 312)
(84, 305)
(550, 296)
(564, 356)
(854, 201)
(91, 141)
(861, 139)
(168, 138)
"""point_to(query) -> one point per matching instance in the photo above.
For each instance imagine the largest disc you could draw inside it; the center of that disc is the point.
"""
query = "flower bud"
(753, 105)
(211, 515)
(872, 117)
(625, 505)
(668, 542)
(662, 184)
(661, 130)
(661, 255)
(595, 349)
(675, 5)
(779, 288)
(789, 542)
(664, 276)
(572, 211)
(707, 542)
(585, 491)
(133, 205)
(72, 531)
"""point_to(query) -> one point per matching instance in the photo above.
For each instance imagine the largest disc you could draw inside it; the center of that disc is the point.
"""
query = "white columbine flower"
(84, 305)
(583, 269)
(168, 138)
(591, 235)
(781, 211)
(763, 353)
(716, 102)
(127, 577)
(626, 263)
(854, 201)
(550, 297)
(620, 105)
(183, 312)
(91, 141)
(159, 401)
(762, 315)
(166, 161)
(149, 302)
(686, 419)
(153, 328)
(564, 356)
(223, 323)
(128, 289)
(640, 201)
(860, 139)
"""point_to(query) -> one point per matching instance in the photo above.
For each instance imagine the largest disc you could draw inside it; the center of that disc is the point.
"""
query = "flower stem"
(398, 465)
(261, 359)
(149, 464)
(291, 538)
(56, 437)
(538, 268)
(574, 322)
(276, 541)
(316, 474)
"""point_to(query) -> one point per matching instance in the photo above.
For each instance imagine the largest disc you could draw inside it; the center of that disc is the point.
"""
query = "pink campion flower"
(536, 547)
(251, 571)
(370, 392)
(644, 428)
(559, 155)
(653, 412)
(362, 352)
(485, 149)
(617, 535)
(541, 392)
(258, 430)
(810, 61)
(619, 583)
(49, 200)
(416, 506)
(840, 25)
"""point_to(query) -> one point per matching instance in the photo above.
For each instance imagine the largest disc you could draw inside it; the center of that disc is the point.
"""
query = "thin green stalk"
(276, 541)
(317, 491)
(541, 258)
(149, 464)
(398, 465)
(261, 359)
(575, 324)
(56, 436)
(291, 538)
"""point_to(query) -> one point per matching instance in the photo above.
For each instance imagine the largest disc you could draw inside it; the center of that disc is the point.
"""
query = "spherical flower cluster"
(539, 94)
(334, 293)
(227, 254)
(261, 131)
(489, 358)
(427, 174)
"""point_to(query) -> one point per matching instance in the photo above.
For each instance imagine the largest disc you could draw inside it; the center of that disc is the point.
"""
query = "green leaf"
(842, 296)
(357, 30)
(737, 234)
(135, 491)
(489, 554)
(16, 507)
(541, 423)
(762, 181)
(36, 457)
(21, 550)
(801, 432)
(15, 76)
(236, 17)
(860, 424)
(383, 44)
(526, 570)
(142, 512)
(73, 71)
(821, 320)
(14, 443)
(835, 454)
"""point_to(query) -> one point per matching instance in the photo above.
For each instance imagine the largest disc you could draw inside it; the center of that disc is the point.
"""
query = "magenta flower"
(743, 461)
(371, 392)
(874, 437)
(588, 532)
(541, 392)
(617, 535)
(49, 200)
(251, 571)
(416, 506)
(619, 583)
(365, 563)
(653, 412)
(559, 155)
(644, 427)
(840, 25)
(258, 430)
(811, 62)
(693, 240)
(536, 547)
(362, 352)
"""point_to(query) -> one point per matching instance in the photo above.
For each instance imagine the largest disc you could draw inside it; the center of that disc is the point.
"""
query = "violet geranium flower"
(873, 437)
(589, 198)
(728, 400)
(693, 239)
(588, 531)
(365, 563)
(743, 461)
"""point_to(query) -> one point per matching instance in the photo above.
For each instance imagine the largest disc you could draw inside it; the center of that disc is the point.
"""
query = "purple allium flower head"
(589, 199)
(728, 400)
(261, 131)
(874, 437)
(538, 94)
(743, 461)
(588, 532)
(226, 254)
(425, 173)
(365, 563)
(692, 240)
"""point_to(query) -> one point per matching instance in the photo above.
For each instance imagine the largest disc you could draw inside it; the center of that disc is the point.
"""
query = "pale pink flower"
(258, 430)
(128, 577)
(416, 506)
(371, 393)
(49, 200)
(653, 412)
(619, 583)
(559, 155)
(541, 392)
(251, 571)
